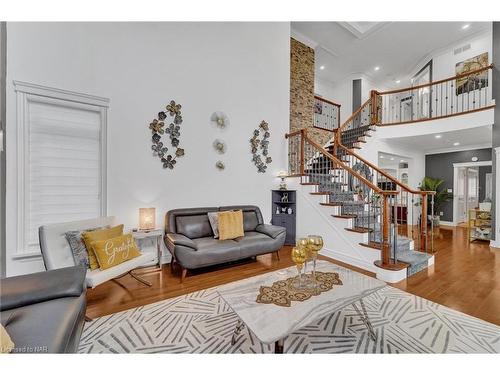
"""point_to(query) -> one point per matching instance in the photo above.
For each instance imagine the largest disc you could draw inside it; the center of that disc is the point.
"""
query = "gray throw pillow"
(77, 246)
(213, 217)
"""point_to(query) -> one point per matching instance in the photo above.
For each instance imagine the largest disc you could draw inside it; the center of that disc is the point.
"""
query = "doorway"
(468, 191)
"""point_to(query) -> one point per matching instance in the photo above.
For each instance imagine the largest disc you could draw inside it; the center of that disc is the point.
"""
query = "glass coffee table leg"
(237, 330)
(365, 319)
(278, 347)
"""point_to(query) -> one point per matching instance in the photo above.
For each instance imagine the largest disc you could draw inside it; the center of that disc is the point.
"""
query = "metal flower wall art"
(220, 165)
(220, 146)
(219, 119)
(260, 147)
(159, 129)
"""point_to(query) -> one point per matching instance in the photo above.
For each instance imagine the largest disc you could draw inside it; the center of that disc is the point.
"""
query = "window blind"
(64, 165)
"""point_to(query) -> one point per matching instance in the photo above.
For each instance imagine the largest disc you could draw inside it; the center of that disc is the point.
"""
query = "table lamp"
(282, 175)
(147, 218)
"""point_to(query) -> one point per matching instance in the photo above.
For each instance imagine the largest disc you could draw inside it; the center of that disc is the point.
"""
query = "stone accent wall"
(302, 91)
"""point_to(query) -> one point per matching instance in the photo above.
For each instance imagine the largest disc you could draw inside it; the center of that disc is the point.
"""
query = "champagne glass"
(304, 243)
(315, 245)
(299, 257)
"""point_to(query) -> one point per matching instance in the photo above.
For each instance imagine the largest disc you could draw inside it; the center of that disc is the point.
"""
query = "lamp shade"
(147, 218)
(282, 174)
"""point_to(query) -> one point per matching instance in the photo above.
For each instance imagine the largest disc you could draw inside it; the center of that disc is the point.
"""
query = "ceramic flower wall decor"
(260, 147)
(219, 119)
(220, 146)
(157, 127)
(220, 165)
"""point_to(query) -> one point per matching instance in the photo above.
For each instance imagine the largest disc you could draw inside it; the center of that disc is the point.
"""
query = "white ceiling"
(478, 137)
(346, 48)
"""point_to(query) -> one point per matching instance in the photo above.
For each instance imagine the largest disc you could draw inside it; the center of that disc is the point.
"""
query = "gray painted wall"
(356, 94)
(441, 166)
(482, 181)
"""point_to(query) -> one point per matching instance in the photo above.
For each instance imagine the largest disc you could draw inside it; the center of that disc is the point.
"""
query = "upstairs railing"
(461, 94)
(326, 114)
(370, 206)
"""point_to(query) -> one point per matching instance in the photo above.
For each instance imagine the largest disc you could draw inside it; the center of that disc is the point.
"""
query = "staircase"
(381, 213)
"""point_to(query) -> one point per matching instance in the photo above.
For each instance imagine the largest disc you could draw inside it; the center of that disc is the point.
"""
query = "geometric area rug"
(201, 322)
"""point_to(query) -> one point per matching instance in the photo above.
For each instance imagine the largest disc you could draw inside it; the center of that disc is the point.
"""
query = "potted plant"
(441, 196)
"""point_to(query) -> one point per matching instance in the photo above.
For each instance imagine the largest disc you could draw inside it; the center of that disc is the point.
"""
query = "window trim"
(27, 93)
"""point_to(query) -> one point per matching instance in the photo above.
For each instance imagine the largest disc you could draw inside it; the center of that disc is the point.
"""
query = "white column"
(496, 243)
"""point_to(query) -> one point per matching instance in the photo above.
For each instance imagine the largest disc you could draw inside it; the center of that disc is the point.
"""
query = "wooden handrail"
(357, 112)
(458, 76)
(320, 98)
(350, 170)
(387, 175)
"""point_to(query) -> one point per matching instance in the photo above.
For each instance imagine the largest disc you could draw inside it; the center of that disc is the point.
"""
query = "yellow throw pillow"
(230, 225)
(114, 251)
(98, 235)
(6, 344)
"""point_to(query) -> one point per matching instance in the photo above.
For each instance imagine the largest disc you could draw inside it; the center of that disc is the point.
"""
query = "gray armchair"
(44, 312)
(190, 239)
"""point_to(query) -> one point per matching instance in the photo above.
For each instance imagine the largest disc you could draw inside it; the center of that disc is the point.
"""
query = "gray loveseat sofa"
(44, 312)
(190, 239)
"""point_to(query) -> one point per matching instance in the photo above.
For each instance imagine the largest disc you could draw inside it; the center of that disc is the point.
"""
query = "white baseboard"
(349, 260)
(495, 244)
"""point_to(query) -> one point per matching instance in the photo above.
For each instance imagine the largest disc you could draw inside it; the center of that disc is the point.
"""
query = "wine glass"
(304, 243)
(315, 245)
(299, 257)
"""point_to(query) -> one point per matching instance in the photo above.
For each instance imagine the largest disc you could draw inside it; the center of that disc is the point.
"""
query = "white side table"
(156, 234)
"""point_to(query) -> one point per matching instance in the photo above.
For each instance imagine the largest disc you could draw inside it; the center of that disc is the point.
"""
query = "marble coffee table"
(272, 324)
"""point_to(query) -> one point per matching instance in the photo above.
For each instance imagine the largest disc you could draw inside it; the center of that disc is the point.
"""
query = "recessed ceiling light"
(398, 81)
(376, 68)
(438, 136)
(456, 144)
(322, 67)
(381, 156)
(466, 26)
(402, 161)
(392, 158)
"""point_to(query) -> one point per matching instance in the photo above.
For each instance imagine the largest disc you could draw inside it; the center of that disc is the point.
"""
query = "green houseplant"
(442, 196)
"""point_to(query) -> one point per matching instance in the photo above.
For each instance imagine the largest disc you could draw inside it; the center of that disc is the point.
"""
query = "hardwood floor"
(465, 277)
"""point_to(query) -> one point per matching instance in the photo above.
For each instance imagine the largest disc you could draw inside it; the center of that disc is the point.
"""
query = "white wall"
(239, 68)
(444, 61)
(340, 93)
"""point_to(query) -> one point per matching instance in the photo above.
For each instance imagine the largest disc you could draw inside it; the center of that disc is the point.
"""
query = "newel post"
(386, 250)
(374, 107)
(302, 149)
(423, 223)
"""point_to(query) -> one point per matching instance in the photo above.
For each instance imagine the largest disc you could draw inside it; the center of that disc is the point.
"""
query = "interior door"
(461, 195)
(472, 188)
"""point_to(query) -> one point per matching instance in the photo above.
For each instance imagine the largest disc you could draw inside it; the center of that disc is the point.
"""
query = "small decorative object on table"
(284, 198)
(282, 175)
(283, 292)
(315, 244)
(298, 257)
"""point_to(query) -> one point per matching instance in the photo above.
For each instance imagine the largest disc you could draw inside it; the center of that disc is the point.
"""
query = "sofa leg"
(172, 266)
(278, 254)
(183, 274)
